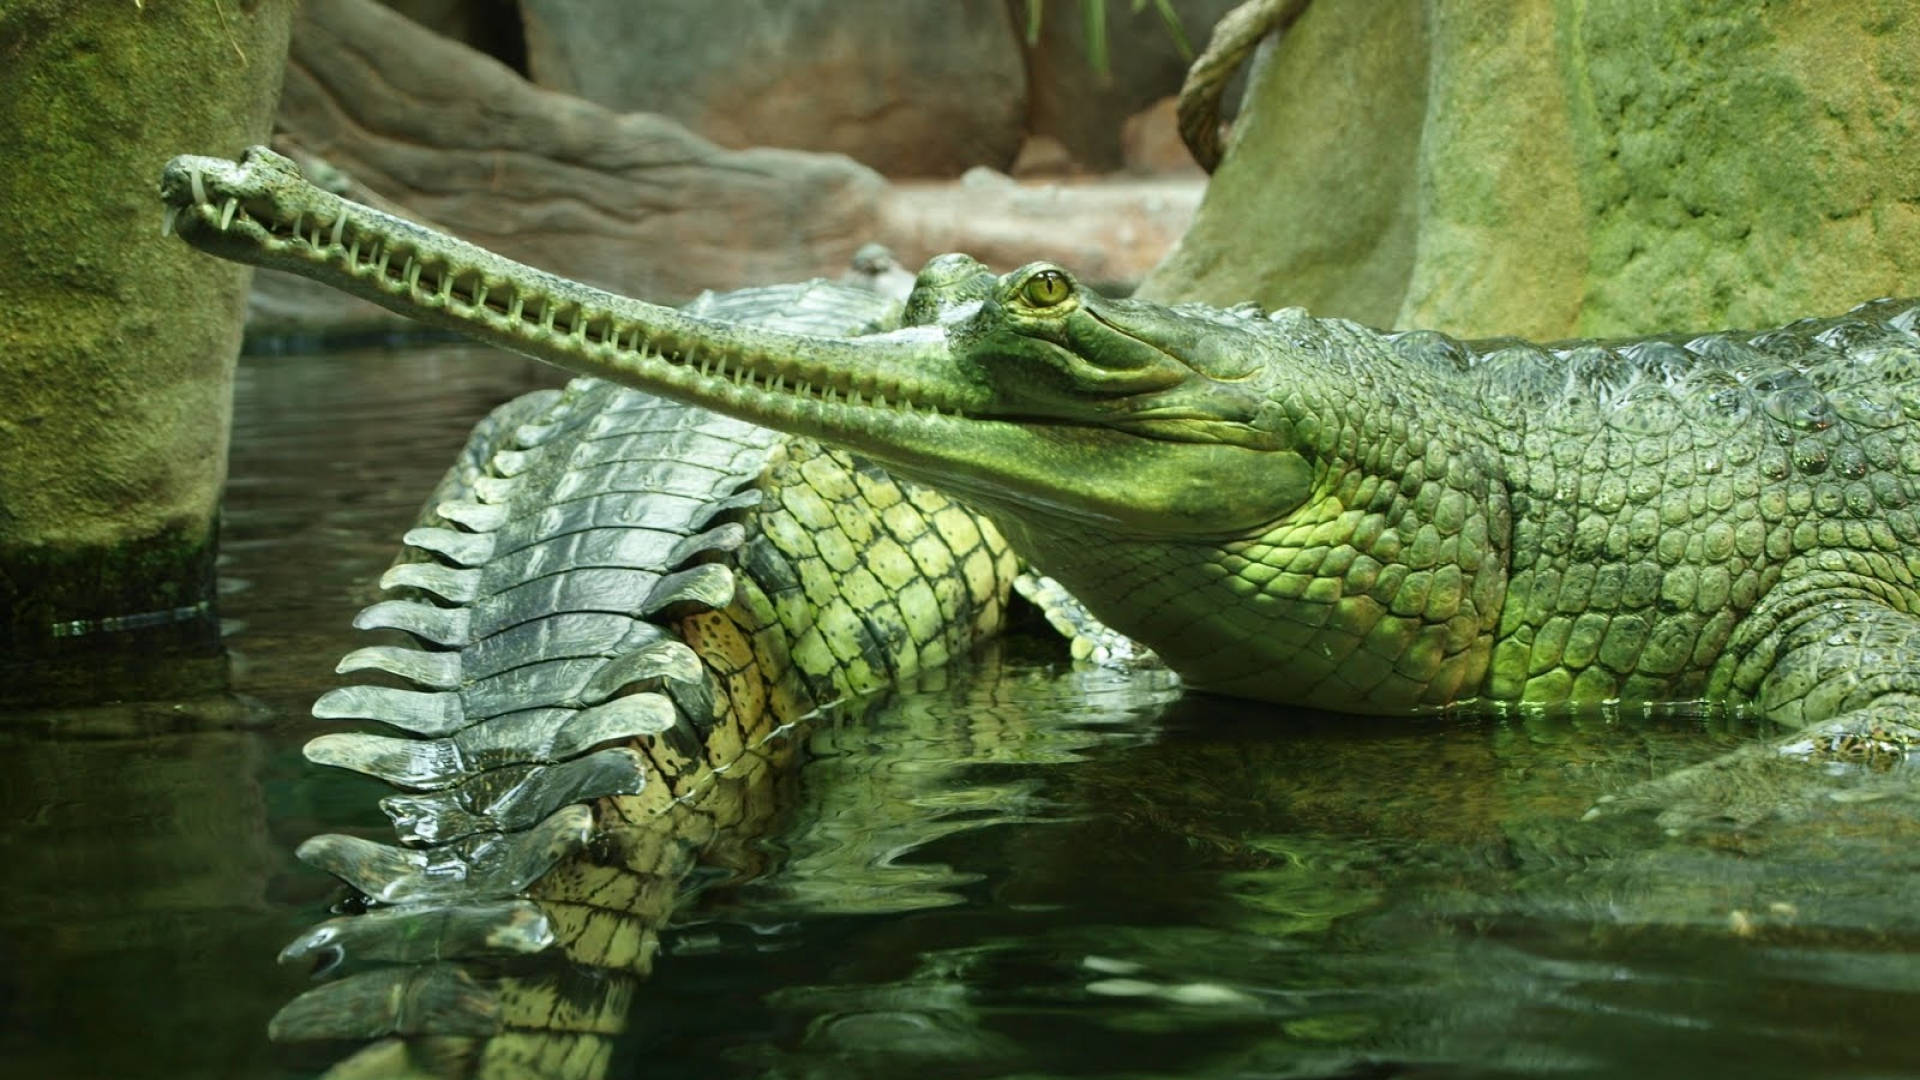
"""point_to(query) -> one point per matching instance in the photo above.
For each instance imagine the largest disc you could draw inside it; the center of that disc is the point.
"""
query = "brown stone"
(910, 89)
(1108, 232)
(1150, 142)
(1042, 156)
(1085, 108)
(633, 203)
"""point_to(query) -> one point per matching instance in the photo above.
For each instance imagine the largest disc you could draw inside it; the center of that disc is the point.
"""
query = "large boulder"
(391, 113)
(117, 354)
(630, 202)
(1573, 167)
(909, 89)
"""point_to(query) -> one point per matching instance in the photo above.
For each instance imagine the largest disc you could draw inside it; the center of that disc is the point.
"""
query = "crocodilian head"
(1025, 394)
(1127, 415)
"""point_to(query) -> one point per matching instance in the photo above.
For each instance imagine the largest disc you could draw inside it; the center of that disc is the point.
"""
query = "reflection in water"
(147, 847)
(135, 867)
(1246, 894)
(960, 752)
(1012, 871)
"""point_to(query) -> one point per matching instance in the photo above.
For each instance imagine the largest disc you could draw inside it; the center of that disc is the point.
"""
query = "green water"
(148, 850)
(1013, 870)
(1114, 887)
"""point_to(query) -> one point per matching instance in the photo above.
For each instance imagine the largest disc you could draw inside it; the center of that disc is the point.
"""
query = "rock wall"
(116, 357)
(422, 125)
(624, 201)
(912, 90)
(908, 89)
(1560, 167)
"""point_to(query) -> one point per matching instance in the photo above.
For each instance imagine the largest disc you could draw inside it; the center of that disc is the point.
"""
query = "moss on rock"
(116, 360)
(1577, 167)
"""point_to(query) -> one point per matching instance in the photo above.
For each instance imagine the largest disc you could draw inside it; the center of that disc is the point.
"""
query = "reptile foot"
(1857, 757)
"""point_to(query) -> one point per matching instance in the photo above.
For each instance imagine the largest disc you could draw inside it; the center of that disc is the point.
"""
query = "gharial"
(1293, 509)
(629, 609)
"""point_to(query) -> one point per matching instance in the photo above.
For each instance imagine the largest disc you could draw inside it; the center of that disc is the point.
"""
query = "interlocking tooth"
(297, 220)
(879, 401)
(227, 211)
(412, 273)
(199, 187)
(380, 267)
(339, 229)
(353, 254)
(480, 295)
(853, 397)
(515, 305)
(779, 383)
(166, 223)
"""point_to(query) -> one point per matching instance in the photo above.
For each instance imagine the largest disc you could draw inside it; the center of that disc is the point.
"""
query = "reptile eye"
(1047, 288)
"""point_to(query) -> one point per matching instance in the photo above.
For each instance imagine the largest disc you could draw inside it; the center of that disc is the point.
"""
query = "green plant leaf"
(1174, 29)
(1094, 14)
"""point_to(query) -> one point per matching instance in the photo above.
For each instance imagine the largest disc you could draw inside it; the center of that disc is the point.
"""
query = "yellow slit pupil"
(1047, 288)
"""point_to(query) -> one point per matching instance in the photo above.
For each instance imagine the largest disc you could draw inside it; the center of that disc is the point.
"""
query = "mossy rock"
(1577, 168)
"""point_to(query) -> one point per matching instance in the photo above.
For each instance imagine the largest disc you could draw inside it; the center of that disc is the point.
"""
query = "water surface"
(1012, 870)
(150, 878)
(1130, 889)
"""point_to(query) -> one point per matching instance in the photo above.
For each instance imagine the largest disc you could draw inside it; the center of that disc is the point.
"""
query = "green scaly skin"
(1291, 509)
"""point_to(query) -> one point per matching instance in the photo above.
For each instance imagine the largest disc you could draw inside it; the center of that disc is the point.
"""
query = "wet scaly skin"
(1302, 510)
